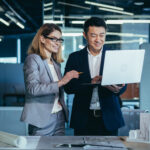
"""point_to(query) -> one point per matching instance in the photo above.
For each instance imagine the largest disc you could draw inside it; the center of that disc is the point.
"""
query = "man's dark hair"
(94, 21)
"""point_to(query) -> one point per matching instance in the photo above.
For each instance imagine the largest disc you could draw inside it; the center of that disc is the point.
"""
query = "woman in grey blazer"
(45, 109)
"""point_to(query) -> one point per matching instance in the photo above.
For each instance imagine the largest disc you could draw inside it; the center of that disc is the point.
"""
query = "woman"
(45, 110)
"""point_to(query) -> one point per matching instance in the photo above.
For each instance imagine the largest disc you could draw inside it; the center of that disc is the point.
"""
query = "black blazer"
(109, 101)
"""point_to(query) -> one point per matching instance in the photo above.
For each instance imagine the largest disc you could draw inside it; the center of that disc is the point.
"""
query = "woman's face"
(52, 42)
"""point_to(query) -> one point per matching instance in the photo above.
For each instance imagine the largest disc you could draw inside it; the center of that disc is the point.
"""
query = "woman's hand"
(68, 76)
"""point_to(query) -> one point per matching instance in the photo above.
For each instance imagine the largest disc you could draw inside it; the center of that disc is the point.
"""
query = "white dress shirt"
(57, 107)
(94, 66)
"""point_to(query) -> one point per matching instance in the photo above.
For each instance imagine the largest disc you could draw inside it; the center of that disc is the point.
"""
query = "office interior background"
(128, 29)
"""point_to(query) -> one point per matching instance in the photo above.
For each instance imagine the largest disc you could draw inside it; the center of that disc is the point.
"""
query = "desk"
(137, 146)
(16, 95)
(52, 143)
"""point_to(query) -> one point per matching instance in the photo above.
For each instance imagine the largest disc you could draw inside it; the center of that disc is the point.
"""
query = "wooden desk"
(137, 146)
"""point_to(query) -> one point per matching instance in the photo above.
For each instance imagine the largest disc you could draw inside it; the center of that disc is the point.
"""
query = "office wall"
(8, 47)
(25, 42)
(11, 80)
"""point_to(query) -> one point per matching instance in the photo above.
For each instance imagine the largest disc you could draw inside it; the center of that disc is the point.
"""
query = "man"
(96, 109)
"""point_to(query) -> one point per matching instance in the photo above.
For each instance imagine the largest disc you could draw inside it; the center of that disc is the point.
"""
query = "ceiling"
(30, 12)
(88, 8)
(26, 12)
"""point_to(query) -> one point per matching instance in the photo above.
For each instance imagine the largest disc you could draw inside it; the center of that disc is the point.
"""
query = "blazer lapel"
(102, 61)
(86, 62)
(48, 70)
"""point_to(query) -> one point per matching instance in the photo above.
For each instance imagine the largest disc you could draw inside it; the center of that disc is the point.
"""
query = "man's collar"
(96, 55)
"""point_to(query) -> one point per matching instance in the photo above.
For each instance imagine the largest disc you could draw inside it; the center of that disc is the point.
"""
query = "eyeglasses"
(55, 39)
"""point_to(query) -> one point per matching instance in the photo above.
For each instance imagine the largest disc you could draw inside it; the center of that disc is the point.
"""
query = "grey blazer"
(40, 91)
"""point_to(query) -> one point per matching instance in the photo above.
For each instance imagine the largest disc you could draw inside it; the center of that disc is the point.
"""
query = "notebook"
(122, 66)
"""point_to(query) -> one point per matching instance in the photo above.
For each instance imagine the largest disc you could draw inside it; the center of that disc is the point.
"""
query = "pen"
(80, 72)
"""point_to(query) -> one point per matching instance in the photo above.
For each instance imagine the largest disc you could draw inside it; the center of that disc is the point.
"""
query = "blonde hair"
(36, 47)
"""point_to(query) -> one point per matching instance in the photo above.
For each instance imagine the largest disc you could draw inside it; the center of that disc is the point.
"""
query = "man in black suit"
(96, 109)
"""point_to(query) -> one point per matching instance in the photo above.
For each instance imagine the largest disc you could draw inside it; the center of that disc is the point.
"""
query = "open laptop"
(122, 66)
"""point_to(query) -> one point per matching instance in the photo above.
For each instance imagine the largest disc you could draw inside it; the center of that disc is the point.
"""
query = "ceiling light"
(124, 41)
(4, 22)
(47, 8)
(103, 5)
(67, 17)
(54, 21)
(77, 22)
(114, 21)
(47, 4)
(74, 5)
(47, 17)
(20, 25)
(138, 3)
(72, 34)
(117, 11)
(136, 21)
(126, 21)
(1, 9)
(146, 9)
(57, 10)
(127, 34)
(14, 12)
(15, 21)
(10, 17)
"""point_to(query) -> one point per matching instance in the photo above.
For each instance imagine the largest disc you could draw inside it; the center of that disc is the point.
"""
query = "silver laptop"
(122, 66)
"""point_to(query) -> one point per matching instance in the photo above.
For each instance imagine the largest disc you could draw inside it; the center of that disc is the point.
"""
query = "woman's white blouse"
(57, 107)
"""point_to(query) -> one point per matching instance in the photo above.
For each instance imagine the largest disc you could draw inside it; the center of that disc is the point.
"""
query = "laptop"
(122, 66)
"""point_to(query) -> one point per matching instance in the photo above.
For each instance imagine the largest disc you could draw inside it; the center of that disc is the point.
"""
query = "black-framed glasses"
(55, 39)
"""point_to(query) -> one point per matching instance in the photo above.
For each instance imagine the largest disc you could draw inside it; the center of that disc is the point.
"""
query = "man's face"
(95, 38)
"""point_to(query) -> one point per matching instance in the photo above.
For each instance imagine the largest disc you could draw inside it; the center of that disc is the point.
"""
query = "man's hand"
(96, 79)
(115, 88)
